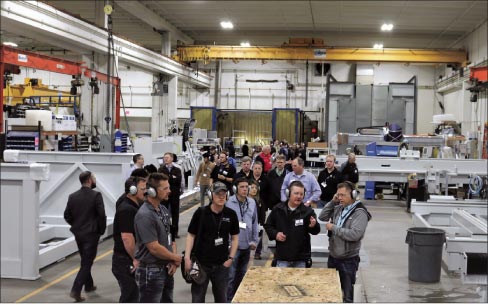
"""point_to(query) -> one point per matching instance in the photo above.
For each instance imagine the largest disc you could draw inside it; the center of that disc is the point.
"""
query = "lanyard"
(215, 222)
(160, 213)
(343, 218)
(246, 205)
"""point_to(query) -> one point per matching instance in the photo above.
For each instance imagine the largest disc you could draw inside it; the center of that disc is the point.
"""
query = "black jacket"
(275, 182)
(330, 180)
(85, 212)
(349, 172)
(297, 244)
(174, 179)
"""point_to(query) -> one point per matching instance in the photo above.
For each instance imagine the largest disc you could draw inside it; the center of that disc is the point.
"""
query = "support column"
(166, 43)
(100, 17)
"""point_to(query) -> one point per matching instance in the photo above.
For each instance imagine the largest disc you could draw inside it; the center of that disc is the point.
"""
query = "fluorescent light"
(378, 46)
(227, 25)
(10, 44)
(245, 44)
(387, 27)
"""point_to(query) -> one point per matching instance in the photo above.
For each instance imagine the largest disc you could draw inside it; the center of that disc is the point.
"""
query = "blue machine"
(379, 149)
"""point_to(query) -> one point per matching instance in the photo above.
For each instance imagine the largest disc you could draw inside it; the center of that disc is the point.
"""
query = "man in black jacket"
(290, 224)
(349, 169)
(85, 213)
(328, 179)
(175, 176)
(275, 180)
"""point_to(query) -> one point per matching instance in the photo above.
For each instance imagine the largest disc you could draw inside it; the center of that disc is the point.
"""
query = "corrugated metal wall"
(204, 117)
(257, 126)
(287, 124)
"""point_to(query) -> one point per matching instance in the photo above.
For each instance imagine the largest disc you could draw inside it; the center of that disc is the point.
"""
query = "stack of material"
(32, 117)
(289, 285)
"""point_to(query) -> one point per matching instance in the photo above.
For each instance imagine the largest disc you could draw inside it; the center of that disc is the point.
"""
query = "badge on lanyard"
(225, 173)
(204, 175)
(324, 184)
(298, 222)
(219, 241)
(169, 239)
(242, 225)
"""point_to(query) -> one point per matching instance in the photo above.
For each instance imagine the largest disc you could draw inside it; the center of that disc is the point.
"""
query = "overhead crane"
(207, 53)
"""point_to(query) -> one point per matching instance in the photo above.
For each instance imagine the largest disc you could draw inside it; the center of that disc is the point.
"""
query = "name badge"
(298, 222)
(225, 173)
(219, 241)
(204, 175)
(169, 239)
(324, 184)
(242, 225)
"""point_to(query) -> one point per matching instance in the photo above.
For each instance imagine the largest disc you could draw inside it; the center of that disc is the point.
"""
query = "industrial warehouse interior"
(96, 90)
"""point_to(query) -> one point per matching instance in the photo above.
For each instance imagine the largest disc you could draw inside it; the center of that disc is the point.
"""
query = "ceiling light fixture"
(227, 25)
(245, 44)
(378, 46)
(10, 44)
(387, 27)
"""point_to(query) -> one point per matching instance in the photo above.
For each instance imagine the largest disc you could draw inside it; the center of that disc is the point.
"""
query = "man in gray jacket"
(348, 221)
(247, 213)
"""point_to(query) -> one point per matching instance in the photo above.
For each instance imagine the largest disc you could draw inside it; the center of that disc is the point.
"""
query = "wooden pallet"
(289, 285)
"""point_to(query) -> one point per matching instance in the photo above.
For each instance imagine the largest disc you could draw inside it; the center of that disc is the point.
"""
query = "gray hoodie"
(345, 241)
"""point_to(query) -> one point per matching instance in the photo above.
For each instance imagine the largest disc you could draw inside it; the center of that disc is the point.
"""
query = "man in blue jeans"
(290, 223)
(209, 232)
(348, 221)
(247, 214)
(156, 247)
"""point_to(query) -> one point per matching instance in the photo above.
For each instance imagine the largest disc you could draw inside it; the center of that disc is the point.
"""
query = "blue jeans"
(155, 285)
(347, 268)
(219, 275)
(291, 264)
(237, 271)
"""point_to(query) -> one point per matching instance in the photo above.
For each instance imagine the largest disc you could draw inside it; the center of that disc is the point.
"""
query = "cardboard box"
(317, 145)
(342, 138)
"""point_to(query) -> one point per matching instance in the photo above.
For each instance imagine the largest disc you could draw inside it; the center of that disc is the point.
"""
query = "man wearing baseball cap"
(209, 232)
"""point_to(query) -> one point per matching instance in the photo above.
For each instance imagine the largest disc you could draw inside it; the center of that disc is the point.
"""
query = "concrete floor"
(383, 275)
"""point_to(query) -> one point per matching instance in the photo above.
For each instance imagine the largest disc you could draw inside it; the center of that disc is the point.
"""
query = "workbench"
(289, 285)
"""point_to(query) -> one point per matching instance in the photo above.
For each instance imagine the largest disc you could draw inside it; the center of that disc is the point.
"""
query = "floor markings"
(59, 279)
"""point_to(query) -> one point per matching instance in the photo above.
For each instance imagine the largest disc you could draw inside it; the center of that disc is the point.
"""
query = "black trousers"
(174, 203)
(87, 247)
(122, 270)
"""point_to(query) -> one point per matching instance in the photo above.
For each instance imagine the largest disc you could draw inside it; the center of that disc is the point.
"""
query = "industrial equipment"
(465, 224)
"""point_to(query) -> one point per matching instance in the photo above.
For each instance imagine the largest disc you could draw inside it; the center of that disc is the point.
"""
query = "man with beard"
(123, 259)
(85, 213)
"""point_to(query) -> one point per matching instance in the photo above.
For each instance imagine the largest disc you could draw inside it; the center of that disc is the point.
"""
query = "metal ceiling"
(418, 24)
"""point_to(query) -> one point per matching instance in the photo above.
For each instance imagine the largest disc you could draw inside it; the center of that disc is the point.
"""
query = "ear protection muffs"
(210, 191)
(354, 192)
(236, 183)
(293, 183)
(133, 189)
(150, 191)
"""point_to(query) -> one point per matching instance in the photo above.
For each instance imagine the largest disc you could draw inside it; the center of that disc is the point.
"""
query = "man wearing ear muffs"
(290, 223)
(348, 221)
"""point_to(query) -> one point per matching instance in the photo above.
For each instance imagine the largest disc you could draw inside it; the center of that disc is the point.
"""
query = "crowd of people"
(224, 234)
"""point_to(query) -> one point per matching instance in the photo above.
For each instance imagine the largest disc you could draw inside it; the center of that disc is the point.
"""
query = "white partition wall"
(20, 219)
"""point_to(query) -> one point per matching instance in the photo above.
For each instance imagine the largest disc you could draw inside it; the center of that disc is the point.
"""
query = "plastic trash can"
(425, 254)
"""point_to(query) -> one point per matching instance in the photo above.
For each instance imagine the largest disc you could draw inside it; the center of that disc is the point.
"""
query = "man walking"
(209, 232)
(85, 213)
(203, 178)
(290, 223)
(275, 180)
(247, 214)
(156, 249)
(348, 221)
